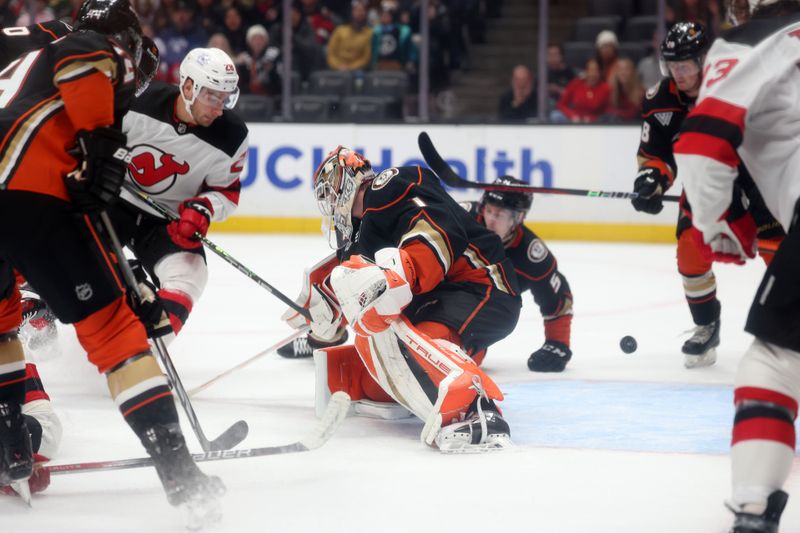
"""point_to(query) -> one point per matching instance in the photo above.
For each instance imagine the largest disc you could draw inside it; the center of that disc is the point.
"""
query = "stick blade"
(231, 437)
(334, 414)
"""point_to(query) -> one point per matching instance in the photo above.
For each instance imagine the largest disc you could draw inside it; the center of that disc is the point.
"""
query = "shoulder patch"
(383, 178)
(537, 251)
(465, 205)
(652, 91)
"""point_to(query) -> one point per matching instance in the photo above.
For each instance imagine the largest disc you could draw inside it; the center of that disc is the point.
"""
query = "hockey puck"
(628, 344)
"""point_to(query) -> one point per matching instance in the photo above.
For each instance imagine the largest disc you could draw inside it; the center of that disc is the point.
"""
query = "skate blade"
(202, 514)
(23, 490)
(492, 444)
(699, 361)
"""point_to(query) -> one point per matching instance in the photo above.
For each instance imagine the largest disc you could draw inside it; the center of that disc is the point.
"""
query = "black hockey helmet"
(515, 201)
(685, 40)
(115, 18)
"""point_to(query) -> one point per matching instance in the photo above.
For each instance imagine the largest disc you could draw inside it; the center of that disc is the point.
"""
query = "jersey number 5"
(13, 76)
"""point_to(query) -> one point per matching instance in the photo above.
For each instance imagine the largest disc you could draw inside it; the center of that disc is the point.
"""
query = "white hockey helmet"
(212, 69)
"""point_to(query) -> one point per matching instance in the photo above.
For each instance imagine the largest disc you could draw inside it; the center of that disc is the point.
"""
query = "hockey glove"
(195, 217)
(553, 356)
(371, 297)
(149, 308)
(96, 183)
(317, 296)
(650, 185)
(730, 241)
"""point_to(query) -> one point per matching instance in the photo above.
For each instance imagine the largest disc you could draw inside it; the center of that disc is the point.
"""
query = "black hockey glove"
(104, 159)
(553, 356)
(149, 308)
(650, 185)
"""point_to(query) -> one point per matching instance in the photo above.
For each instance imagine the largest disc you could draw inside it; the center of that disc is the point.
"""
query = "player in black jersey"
(536, 269)
(423, 285)
(62, 160)
(664, 108)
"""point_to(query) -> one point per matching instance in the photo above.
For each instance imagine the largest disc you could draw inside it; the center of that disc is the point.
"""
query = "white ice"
(617, 443)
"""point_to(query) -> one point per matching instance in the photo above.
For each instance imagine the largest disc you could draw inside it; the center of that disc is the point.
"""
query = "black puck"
(628, 344)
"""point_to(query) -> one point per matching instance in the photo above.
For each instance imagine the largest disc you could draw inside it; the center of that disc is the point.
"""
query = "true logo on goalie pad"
(664, 118)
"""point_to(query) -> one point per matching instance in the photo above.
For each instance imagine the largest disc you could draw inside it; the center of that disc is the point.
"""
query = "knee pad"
(112, 335)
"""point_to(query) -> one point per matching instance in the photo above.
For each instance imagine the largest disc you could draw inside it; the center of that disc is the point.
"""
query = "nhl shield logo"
(83, 291)
(153, 170)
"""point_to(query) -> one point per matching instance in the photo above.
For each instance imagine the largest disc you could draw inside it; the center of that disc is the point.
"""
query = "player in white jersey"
(748, 111)
(188, 149)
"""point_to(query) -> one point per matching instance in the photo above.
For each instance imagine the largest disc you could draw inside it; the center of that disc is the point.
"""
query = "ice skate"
(304, 346)
(185, 485)
(482, 430)
(38, 330)
(700, 349)
(766, 522)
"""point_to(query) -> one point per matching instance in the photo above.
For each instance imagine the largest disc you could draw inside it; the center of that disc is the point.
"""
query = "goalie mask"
(336, 185)
(214, 78)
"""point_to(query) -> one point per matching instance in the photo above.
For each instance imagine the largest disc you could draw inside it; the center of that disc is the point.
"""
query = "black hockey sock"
(705, 312)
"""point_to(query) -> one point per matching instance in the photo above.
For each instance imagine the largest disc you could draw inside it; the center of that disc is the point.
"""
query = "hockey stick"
(243, 364)
(231, 436)
(451, 179)
(336, 411)
(219, 251)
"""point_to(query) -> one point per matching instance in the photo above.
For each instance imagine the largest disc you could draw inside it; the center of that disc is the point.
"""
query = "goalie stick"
(231, 436)
(336, 411)
(440, 167)
(166, 213)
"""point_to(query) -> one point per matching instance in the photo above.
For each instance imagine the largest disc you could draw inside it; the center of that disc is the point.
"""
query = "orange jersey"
(79, 82)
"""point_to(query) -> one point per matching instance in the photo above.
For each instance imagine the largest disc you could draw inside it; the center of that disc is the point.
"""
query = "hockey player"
(62, 160)
(536, 269)
(664, 109)
(423, 285)
(44, 427)
(748, 111)
(188, 149)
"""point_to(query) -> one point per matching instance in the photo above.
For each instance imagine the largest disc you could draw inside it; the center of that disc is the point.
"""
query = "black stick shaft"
(450, 178)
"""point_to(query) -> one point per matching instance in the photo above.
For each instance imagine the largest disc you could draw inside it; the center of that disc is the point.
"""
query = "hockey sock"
(12, 369)
(178, 306)
(142, 393)
(701, 295)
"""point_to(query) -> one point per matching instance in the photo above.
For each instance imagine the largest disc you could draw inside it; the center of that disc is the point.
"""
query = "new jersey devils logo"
(153, 170)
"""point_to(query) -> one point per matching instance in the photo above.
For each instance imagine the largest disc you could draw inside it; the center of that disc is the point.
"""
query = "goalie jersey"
(173, 161)
(748, 111)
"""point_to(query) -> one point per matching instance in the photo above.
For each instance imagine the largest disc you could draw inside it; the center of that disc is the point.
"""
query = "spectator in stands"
(209, 16)
(8, 16)
(649, 67)
(264, 12)
(319, 19)
(218, 40)
(626, 93)
(257, 66)
(607, 47)
(707, 12)
(585, 99)
(306, 53)
(392, 48)
(339, 8)
(350, 47)
(519, 102)
(145, 10)
(67, 10)
(178, 38)
(42, 13)
(234, 29)
(558, 73)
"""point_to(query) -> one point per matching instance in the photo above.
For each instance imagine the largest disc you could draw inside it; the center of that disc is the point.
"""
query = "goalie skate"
(482, 430)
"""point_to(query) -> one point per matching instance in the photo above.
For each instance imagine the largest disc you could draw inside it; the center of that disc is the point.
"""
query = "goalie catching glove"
(103, 165)
(371, 296)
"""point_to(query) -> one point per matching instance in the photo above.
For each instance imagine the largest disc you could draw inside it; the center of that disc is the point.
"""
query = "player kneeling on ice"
(423, 285)
(536, 269)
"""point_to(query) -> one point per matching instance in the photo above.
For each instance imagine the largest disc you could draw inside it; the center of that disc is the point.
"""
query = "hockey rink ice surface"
(617, 443)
